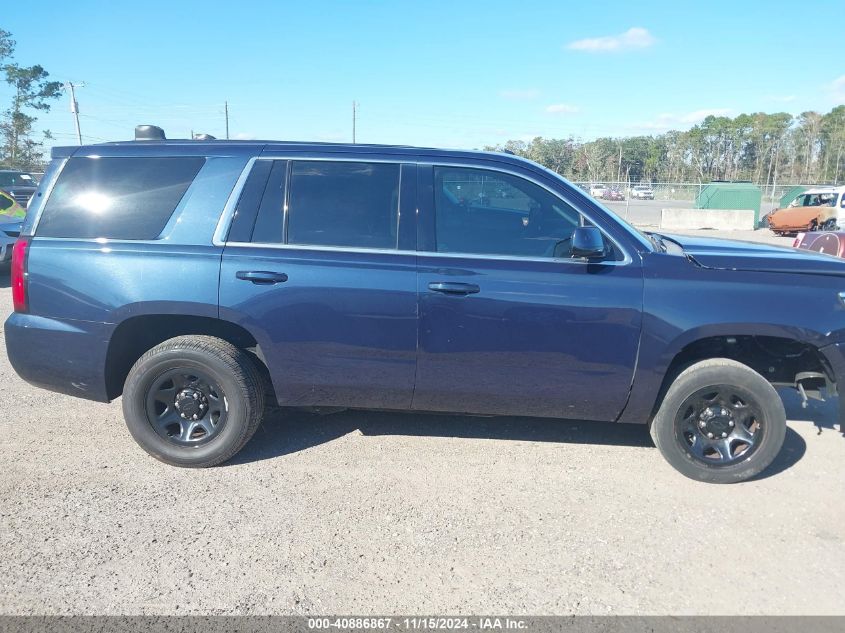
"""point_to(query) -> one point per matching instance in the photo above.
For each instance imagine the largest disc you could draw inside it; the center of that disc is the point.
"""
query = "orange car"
(814, 210)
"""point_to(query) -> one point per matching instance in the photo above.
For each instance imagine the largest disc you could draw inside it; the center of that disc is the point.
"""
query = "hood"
(736, 255)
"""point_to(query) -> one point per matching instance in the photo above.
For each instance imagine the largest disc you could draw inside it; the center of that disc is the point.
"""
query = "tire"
(757, 410)
(829, 225)
(191, 376)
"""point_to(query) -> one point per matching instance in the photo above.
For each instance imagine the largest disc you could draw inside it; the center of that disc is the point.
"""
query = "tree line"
(766, 149)
(32, 92)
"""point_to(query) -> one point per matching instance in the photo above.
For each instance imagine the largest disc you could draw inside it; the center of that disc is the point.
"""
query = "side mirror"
(587, 242)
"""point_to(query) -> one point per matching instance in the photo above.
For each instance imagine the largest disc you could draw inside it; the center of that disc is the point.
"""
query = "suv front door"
(509, 323)
(320, 269)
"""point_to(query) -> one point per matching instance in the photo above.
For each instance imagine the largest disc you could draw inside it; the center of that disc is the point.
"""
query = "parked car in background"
(642, 192)
(19, 184)
(11, 216)
(9, 232)
(596, 190)
(9, 207)
(198, 278)
(613, 194)
(816, 209)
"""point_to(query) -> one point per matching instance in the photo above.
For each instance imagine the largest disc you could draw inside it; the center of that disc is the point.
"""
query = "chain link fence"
(682, 191)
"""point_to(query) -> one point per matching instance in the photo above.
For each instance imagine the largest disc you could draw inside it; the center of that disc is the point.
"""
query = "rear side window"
(343, 204)
(117, 198)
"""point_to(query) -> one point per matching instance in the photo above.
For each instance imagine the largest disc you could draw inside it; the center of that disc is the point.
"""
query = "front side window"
(117, 197)
(334, 203)
(487, 212)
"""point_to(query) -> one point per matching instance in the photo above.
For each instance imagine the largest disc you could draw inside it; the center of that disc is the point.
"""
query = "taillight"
(19, 253)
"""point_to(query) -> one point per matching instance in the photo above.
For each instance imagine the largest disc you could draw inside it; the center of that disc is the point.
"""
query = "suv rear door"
(507, 327)
(319, 266)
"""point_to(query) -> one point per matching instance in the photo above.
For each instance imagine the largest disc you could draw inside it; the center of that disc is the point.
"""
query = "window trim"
(229, 210)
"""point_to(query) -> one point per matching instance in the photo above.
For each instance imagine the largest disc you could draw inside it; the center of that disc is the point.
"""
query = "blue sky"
(455, 74)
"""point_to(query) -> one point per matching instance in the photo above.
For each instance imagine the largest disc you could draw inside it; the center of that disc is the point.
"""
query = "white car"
(597, 190)
(642, 192)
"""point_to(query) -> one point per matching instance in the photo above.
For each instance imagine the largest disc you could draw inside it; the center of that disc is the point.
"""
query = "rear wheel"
(829, 225)
(193, 401)
(720, 422)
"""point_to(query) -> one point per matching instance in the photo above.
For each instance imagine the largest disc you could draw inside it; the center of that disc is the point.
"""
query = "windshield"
(11, 178)
(815, 200)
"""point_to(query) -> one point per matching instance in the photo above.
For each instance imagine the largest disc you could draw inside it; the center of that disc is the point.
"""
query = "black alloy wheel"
(186, 406)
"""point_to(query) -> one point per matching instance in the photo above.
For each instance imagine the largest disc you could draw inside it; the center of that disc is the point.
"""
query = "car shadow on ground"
(5, 280)
(289, 431)
(824, 415)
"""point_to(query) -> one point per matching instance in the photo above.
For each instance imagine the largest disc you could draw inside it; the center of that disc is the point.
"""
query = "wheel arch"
(133, 336)
(663, 357)
(777, 358)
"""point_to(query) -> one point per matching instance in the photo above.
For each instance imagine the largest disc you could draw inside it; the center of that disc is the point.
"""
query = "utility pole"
(354, 119)
(226, 107)
(619, 169)
(74, 107)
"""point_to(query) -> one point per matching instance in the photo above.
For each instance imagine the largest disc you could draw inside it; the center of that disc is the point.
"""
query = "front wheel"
(193, 401)
(829, 225)
(720, 422)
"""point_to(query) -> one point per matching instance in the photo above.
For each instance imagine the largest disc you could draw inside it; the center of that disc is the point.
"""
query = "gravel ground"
(385, 513)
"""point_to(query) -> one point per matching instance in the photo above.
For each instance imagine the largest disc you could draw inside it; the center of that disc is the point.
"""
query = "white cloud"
(244, 136)
(520, 94)
(697, 116)
(634, 38)
(837, 89)
(561, 108)
(668, 121)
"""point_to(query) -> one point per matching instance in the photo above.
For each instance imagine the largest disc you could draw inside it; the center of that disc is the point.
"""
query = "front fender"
(684, 303)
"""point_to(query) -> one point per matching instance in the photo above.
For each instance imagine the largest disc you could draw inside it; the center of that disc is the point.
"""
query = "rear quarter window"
(126, 198)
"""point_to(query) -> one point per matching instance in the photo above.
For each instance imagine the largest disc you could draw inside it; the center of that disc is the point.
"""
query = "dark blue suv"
(198, 279)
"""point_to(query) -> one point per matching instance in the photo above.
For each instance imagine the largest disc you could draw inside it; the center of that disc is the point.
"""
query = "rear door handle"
(452, 288)
(263, 277)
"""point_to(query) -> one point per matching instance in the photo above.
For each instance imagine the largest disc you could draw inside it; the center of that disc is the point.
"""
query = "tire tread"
(238, 363)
